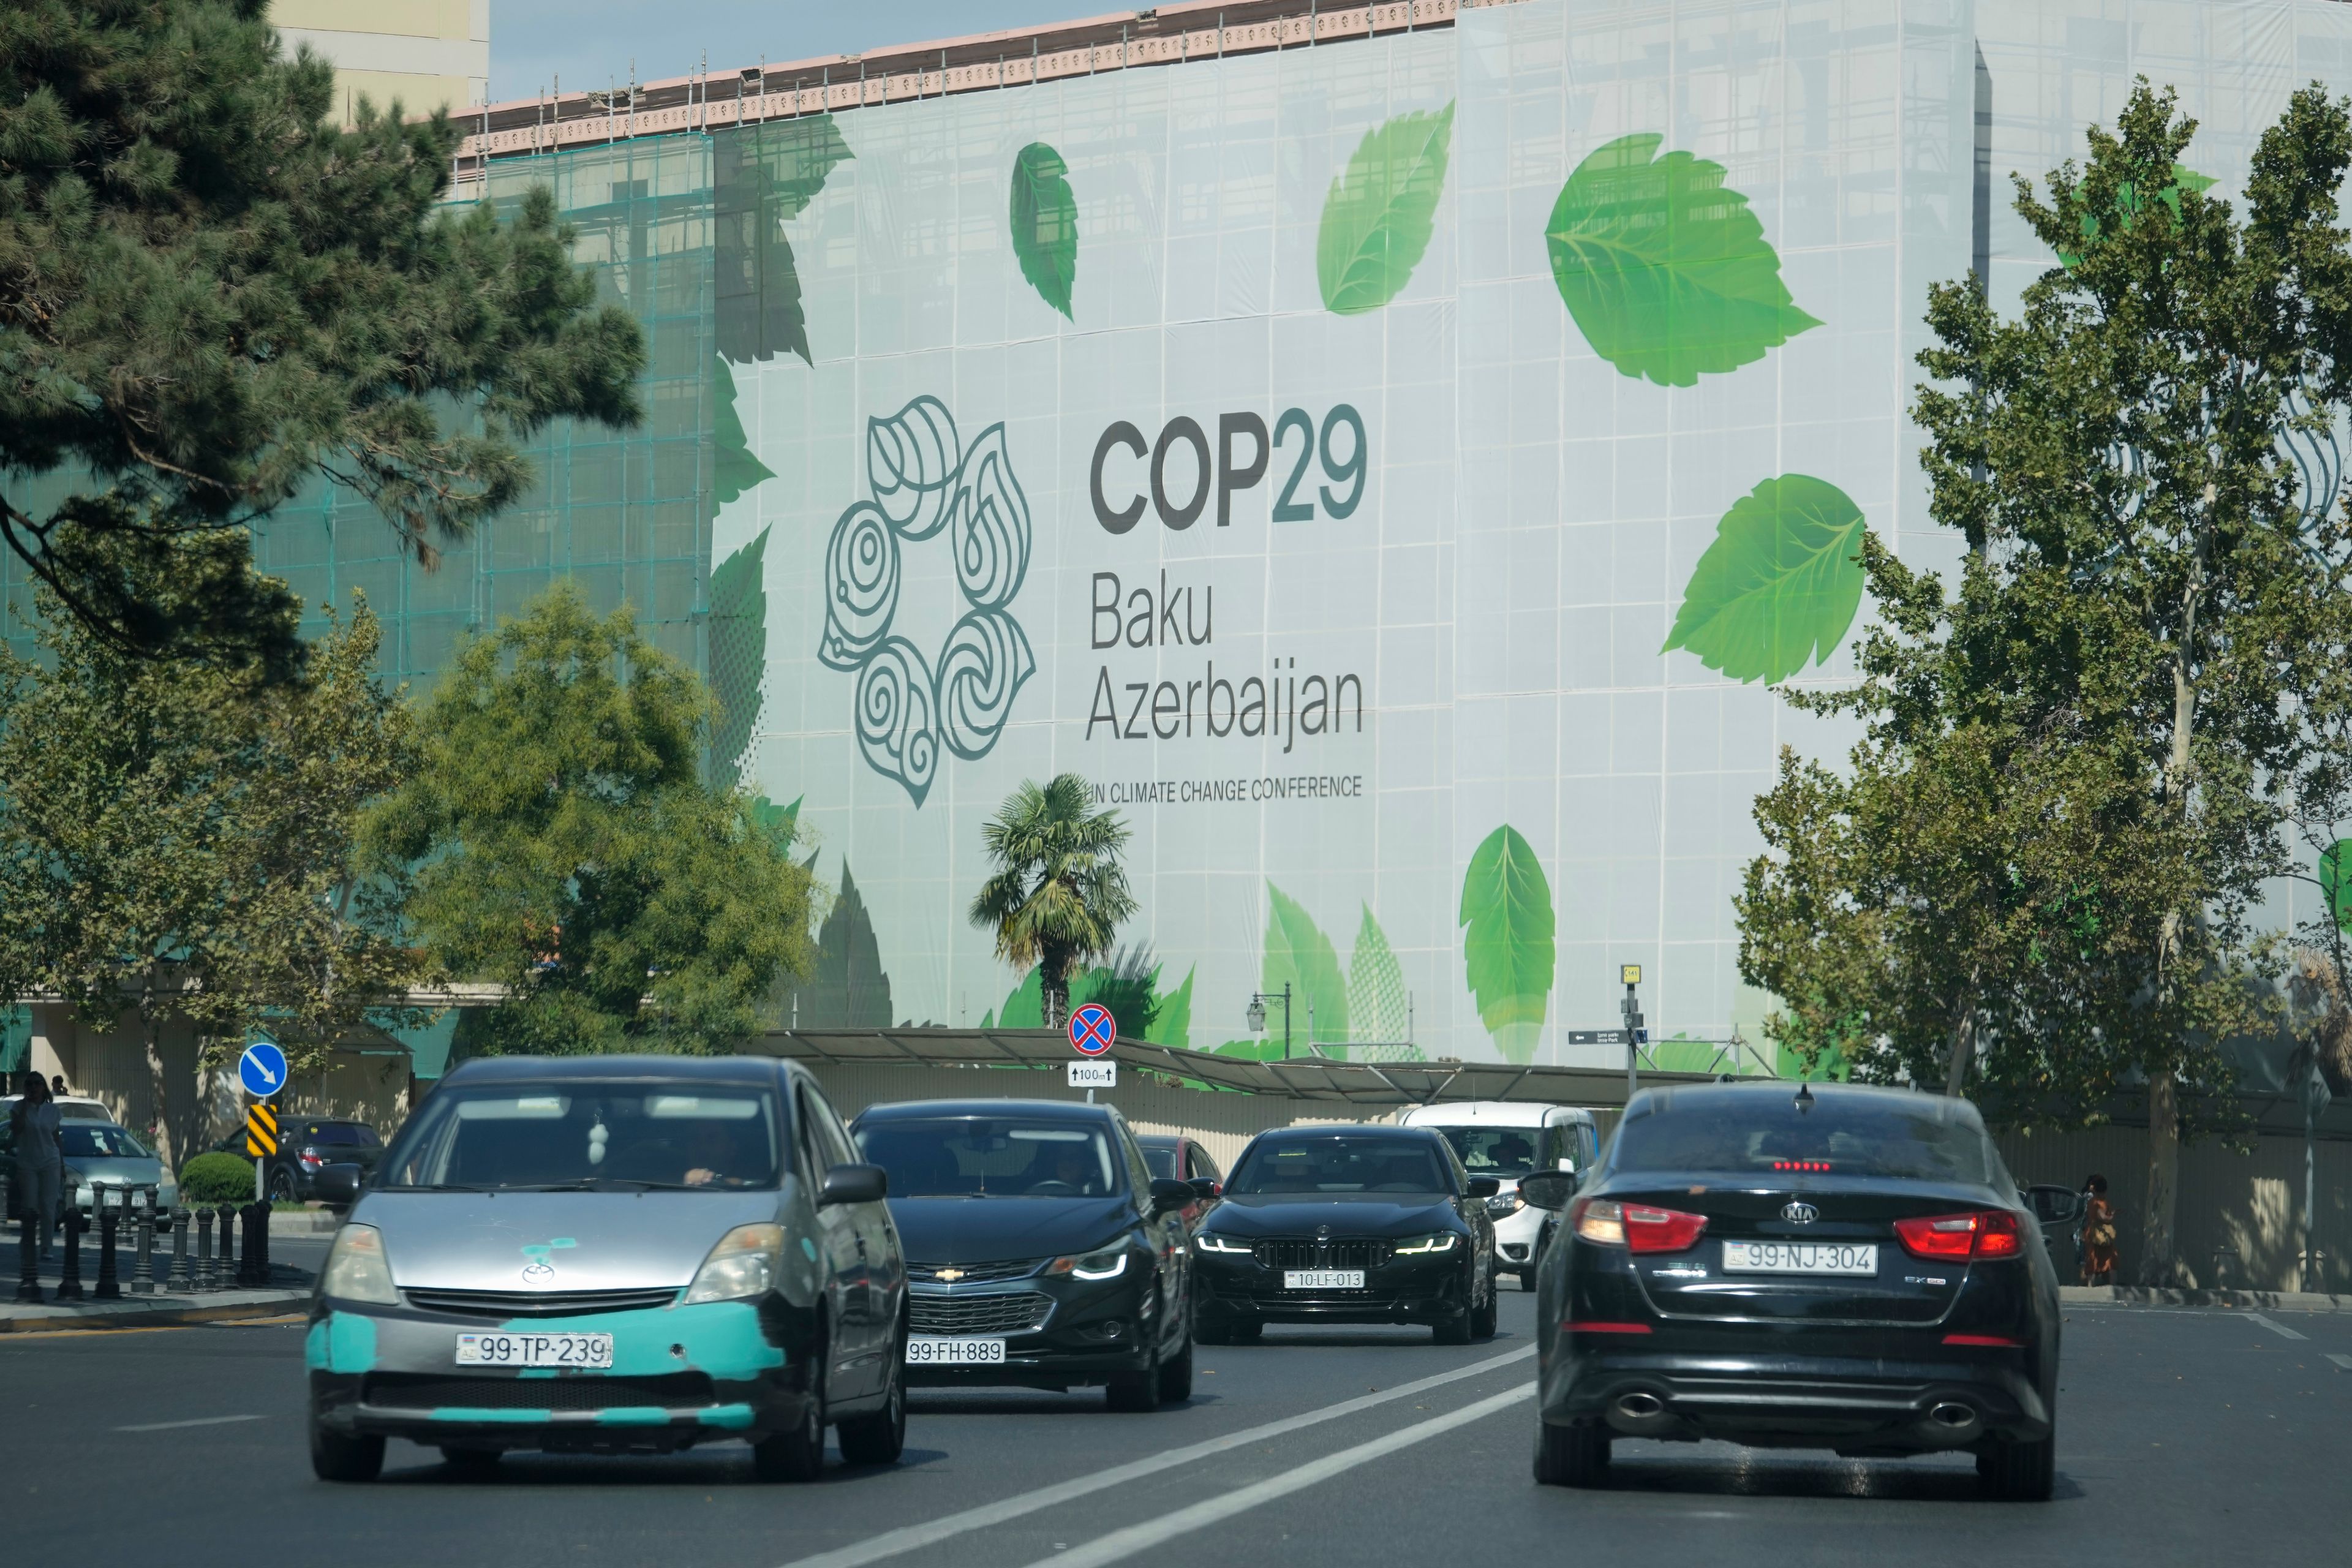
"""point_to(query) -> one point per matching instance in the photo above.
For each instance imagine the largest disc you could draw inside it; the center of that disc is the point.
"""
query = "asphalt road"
(2184, 1436)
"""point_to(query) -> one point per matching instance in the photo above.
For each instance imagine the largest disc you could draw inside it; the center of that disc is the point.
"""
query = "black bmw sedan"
(1353, 1224)
(1829, 1267)
(1041, 1252)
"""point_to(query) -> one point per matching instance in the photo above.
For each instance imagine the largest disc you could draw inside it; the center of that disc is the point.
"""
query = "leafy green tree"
(2149, 631)
(210, 296)
(565, 845)
(1058, 893)
(179, 840)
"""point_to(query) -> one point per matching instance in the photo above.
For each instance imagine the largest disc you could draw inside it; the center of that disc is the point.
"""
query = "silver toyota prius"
(612, 1254)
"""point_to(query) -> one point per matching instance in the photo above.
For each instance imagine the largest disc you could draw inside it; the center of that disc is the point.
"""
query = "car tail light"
(2004, 1342)
(1589, 1327)
(312, 1157)
(1958, 1237)
(1638, 1228)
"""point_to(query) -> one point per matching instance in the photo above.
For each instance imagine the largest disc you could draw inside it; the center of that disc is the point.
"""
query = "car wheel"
(799, 1454)
(2019, 1472)
(1135, 1391)
(1454, 1329)
(1205, 1332)
(470, 1464)
(1482, 1319)
(878, 1438)
(1176, 1376)
(335, 1457)
(1528, 1280)
(1571, 1456)
(281, 1186)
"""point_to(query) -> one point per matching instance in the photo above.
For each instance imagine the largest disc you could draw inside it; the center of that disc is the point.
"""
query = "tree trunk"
(2157, 1264)
(1964, 1045)
(166, 1143)
(1054, 985)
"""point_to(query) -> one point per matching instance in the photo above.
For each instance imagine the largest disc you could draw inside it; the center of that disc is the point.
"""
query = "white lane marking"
(1123, 1543)
(199, 1421)
(910, 1538)
(2340, 1358)
(2276, 1328)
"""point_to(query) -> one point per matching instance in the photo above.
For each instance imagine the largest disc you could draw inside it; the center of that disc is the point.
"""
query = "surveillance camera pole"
(1630, 974)
(1256, 1016)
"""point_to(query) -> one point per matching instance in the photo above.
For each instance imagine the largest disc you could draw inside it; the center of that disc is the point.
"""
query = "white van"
(1506, 1141)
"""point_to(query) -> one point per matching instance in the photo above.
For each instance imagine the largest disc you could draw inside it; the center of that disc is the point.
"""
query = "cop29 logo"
(921, 483)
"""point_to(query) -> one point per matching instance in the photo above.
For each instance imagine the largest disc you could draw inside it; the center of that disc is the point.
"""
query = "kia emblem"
(1799, 1214)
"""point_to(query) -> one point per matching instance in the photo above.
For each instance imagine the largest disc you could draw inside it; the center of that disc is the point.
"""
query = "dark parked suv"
(306, 1145)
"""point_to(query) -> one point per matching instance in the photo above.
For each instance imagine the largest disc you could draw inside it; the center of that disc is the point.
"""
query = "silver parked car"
(98, 1153)
(612, 1253)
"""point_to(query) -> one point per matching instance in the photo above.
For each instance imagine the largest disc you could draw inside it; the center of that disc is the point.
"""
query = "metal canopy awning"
(1301, 1077)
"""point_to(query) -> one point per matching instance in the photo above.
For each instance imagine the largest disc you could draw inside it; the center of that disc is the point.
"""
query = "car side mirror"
(853, 1185)
(1168, 1195)
(1203, 1189)
(1547, 1189)
(338, 1185)
(1485, 1187)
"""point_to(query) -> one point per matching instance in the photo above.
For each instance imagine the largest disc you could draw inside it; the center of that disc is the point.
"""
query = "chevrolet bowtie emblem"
(951, 1275)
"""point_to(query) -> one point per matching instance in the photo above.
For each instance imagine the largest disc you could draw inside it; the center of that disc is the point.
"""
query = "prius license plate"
(535, 1349)
(1798, 1258)
(933, 1350)
(1322, 1278)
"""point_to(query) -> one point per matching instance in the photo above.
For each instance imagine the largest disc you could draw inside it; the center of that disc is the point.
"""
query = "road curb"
(2236, 1300)
(15, 1319)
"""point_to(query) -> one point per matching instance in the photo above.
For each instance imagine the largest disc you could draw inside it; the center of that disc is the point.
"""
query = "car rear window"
(1162, 1161)
(1762, 1131)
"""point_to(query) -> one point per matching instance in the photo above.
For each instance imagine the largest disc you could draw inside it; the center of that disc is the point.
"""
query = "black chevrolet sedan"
(1041, 1251)
(1828, 1267)
(1347, 1225)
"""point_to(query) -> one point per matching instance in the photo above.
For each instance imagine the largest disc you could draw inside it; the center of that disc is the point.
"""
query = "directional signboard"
(1092, 1029)
(1596, 1037)
(262, 1069)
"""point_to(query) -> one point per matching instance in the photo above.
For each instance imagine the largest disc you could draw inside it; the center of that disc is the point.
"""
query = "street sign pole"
(1630, 974)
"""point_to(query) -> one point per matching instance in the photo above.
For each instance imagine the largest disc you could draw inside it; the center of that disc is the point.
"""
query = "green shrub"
(211, 1179)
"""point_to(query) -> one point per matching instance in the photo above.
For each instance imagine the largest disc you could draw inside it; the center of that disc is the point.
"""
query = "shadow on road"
(1742, 1472)
(727, 1465)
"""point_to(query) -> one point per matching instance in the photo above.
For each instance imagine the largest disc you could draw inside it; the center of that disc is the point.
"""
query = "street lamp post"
(1258, 999)
(1630, 974)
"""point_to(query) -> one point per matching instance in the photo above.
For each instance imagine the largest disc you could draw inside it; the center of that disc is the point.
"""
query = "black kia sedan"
(1041, 1251)
(1823, 1267)
(1347, 1225)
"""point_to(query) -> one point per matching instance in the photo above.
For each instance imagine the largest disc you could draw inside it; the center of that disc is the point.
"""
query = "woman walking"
(40, 1163)
(2098, 1233)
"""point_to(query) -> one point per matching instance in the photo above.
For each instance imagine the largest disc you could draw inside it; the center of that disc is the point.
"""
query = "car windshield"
(1849, 1135)
(1341, 1163)
(96, 1141)
(1159, 1161)
(1507, 1152)
(585, 1135)
(340, 1134)
(990, 1157)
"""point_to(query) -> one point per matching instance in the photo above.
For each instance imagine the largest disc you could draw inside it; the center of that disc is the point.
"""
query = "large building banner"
(1401, 477)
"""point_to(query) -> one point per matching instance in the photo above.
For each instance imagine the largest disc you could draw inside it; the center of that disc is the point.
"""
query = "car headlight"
(1220, 1247)
(1426, 1246)
(358, 1268)
(744, 1263)
(1503, 1205)
(1107, 1264)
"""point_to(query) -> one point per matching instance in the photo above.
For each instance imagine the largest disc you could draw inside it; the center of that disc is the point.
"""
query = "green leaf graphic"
(1376, 999)
(783, 821)
(1045, 224)
(1171, 1023)
(1780, 582)
(2184, 178)
(1302, 956)
(739, 654)
(733, 469)
(849, 990)
(1508, 952)
(2335, 882)
(1377, 220)
(1666, 270)
(764, 176)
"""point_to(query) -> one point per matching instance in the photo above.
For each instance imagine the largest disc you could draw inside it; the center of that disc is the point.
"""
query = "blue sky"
(586, 42)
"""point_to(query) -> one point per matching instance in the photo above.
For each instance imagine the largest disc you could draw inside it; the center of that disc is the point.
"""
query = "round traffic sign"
(262, 1069)
(1092, 1029)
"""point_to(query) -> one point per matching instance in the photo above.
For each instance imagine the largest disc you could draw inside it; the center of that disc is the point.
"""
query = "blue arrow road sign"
(1092, 1029)
(262, 1069)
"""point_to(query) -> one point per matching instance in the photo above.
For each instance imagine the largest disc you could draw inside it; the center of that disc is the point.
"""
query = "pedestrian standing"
(40, 1159)
(2098, 1233)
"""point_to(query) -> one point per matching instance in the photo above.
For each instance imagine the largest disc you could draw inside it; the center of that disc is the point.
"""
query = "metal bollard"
(69, 1276)
(179, 1283)
(226, 1273)
(205, 1279)
(28, 1258)
(143, 1273)
(110, 1285)
(261, 1245)
(245, 1217)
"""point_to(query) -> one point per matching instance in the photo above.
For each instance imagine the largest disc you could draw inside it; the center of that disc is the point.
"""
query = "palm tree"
(1058, 895)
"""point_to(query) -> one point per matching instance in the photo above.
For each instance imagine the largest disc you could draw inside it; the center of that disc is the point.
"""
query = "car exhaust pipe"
(1641, 1406)
(1953, 1415)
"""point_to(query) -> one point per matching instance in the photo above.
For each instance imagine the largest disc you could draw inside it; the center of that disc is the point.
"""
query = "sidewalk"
(289, 1292)
(2236, 1300)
